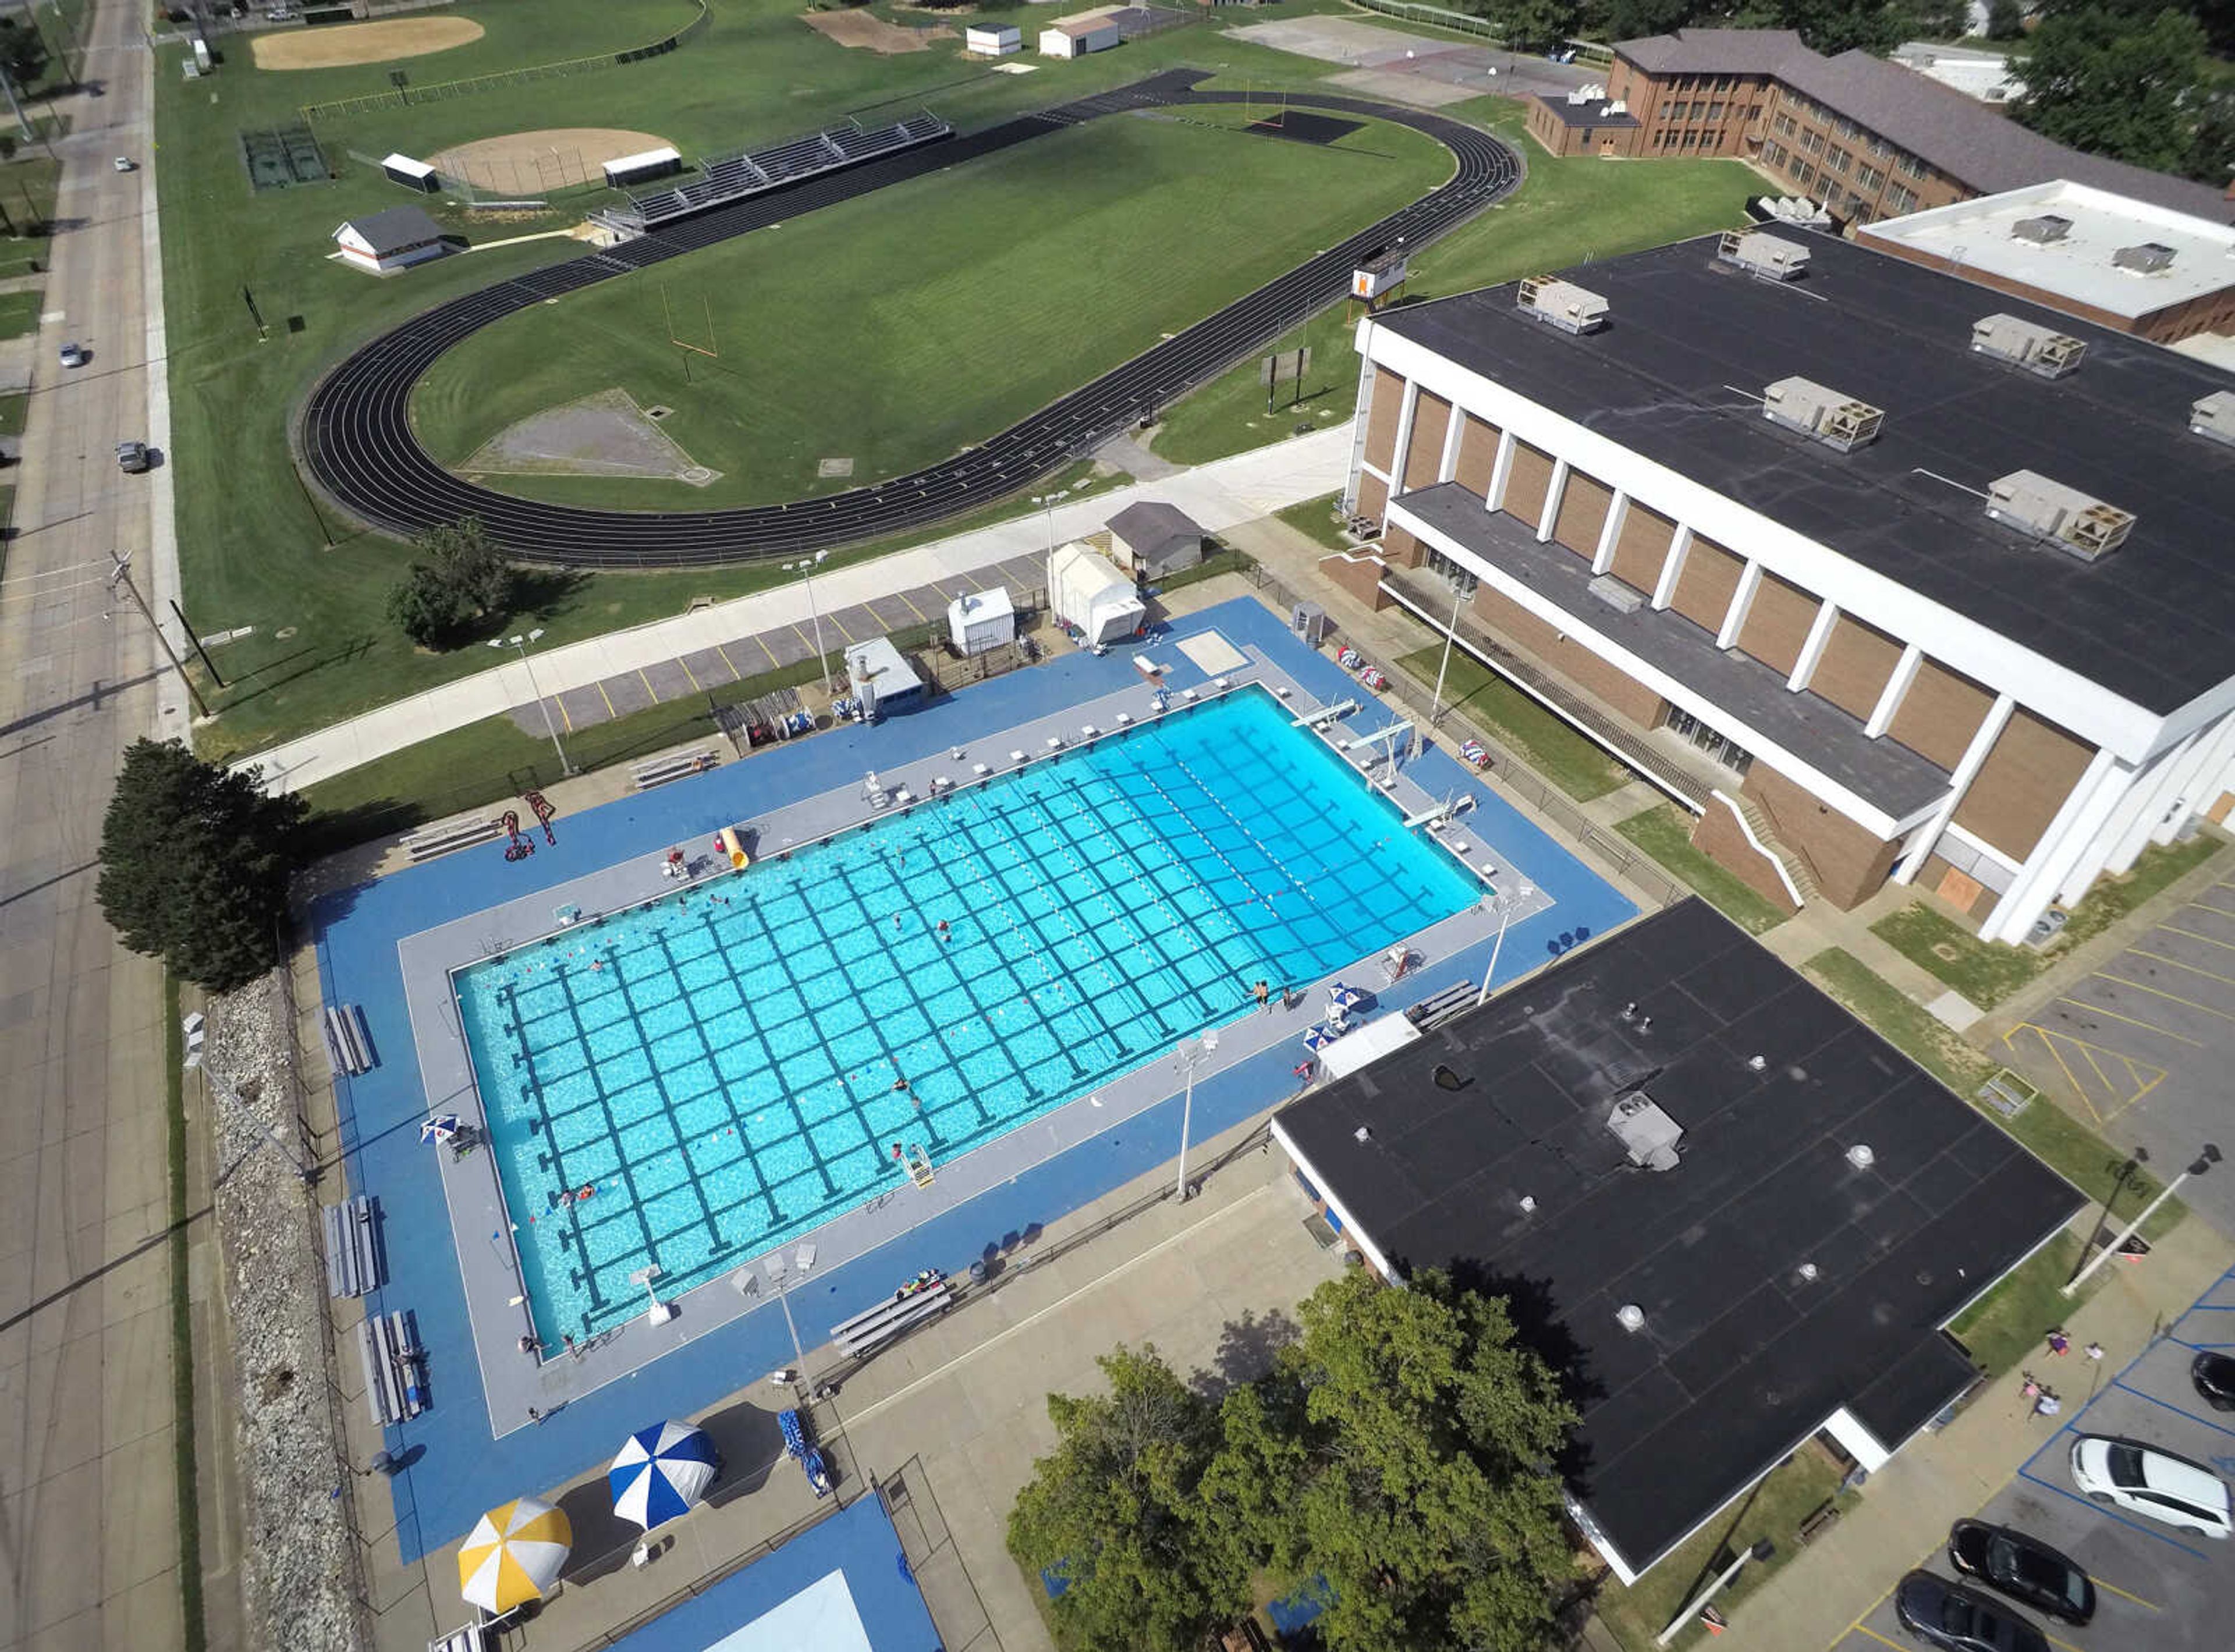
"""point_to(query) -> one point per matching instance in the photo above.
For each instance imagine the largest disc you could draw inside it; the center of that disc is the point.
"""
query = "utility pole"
(120, 578)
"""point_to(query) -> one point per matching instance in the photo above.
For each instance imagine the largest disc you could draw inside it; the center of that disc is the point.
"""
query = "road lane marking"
(2123, 1595)
(2146, 1026)
(2144, 986)
(2175, 929)
(1875, 1636)
(2193, 969)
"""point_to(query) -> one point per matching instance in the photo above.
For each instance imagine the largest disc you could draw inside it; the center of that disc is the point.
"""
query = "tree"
(1114, 1512)
(464, 579)
(2211, 156)
(2005, 20)
(2115, 84)
(1529, 24)
(22, 54)
(195, 864)
(1401, 1451)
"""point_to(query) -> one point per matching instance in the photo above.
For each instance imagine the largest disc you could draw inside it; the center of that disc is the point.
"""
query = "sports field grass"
(964, 301)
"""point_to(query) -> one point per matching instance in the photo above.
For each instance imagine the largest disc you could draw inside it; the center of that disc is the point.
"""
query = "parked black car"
(2214, 1377)
(1958, 1619)
(2023, 1568)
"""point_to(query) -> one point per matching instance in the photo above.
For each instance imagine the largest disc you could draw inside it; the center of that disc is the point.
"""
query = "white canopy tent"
(1085, 589)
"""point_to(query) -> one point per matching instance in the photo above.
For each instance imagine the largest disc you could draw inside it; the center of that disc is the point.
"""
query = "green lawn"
(1567, 212)
(19, 313)
(12, 410)
(1775, 1509)
(961, 306)
(1989, 971)
(1664, 831)
(1320, 520)
(1554, 750)
(2010, 1324)
(27, 199)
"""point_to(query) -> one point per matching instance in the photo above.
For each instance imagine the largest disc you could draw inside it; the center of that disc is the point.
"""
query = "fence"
(1437, 16)
(1511, 772)
(473, 86)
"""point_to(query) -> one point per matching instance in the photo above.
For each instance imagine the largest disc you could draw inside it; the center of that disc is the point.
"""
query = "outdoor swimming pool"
(724, 1068)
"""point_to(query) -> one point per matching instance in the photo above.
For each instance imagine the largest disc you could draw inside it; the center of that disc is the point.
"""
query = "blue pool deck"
(390, 944)
(842, 1585)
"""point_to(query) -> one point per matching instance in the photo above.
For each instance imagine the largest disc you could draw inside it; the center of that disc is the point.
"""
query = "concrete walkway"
(1217, 495)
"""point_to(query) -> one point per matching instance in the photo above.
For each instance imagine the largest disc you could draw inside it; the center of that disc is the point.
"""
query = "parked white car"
(2143, 1480)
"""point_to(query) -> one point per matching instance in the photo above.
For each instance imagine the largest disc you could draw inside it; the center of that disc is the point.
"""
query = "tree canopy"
(2128, 82)
(460, 580)
(195, 864)
(1396, 1460)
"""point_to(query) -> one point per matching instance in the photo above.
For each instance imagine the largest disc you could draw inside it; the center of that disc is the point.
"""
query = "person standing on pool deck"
(1264, 994)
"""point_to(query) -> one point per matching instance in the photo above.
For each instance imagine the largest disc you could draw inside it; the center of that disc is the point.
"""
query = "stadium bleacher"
(728, 178)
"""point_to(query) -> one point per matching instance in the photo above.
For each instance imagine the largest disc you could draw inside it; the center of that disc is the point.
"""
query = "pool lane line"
(1031, 1320)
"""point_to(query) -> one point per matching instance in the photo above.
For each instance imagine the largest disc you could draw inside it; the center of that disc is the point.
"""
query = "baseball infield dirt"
(362, 42)
(531, 163)
(862, 29)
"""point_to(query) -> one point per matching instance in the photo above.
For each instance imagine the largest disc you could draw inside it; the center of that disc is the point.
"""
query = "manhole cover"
(1945, 951)
(833, 467)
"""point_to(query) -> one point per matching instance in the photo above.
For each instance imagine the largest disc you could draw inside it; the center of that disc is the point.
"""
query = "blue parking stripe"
(2176, 1410)
(2200, 1347)
(2110, 1514)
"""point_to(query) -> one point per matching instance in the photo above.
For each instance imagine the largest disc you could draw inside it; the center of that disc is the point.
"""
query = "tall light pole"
(1048, 503)
(1763, 1551)
(1451, 634)
(779, 1275)
(120, 579)
(1191, 1057)
(1505, 902)
(549, 727)
(805, 568)
(2201, 1164)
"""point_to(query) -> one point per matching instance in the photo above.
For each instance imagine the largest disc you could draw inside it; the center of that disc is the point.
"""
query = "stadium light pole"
(1191, 1057)
(1504, 901)
(566, 769)
(1048, 503)
(805, 568)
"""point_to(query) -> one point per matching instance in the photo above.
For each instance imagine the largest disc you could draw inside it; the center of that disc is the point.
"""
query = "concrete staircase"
(1795, 863)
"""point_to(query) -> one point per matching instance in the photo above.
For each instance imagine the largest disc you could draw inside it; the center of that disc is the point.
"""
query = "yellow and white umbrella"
(514, 1554)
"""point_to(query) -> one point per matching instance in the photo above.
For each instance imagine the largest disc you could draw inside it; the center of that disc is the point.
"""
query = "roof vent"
(1631, 1317)
(1861, 1156)
(1837, 421)
(1561, 304)
(1650, 1134)
(2144, 258)
(2028, 345)
(2214, 416)
(1770, 257)
(2077, 521)
(2041, 230)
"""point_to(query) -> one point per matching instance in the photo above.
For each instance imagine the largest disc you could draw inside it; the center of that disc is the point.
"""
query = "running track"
(355, 431)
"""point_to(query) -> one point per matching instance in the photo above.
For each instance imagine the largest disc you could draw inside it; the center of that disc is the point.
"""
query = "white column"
(2189, 796)
(1610, 535)
(1359, 421)
(1448, 467)
(2085, 807)
(2160, 787)
(1890, 697)
(1967, 770)
(1804, 669)
(1672, 567)
(1400, 454)
(1500, 473)
(1735, 617)
(1551, 515)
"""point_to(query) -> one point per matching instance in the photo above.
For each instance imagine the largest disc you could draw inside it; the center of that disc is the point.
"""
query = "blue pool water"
(722, 1067)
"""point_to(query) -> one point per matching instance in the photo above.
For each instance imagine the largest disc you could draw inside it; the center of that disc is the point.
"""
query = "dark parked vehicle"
(1958, 1619)
(2214, 1377)
(2023, 1568)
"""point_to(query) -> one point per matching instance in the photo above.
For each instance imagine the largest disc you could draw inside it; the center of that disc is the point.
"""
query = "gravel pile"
(302, 1578)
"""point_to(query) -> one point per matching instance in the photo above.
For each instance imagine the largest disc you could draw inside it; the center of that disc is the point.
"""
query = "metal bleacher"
(735, 177)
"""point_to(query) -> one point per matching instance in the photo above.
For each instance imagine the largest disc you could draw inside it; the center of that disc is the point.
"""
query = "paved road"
(363, 452)
(88, 1542)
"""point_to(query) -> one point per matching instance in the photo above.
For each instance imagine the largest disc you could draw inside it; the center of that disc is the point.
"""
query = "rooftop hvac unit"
(2144, 258)
(1561, 303)
(2078, 522)
(2028, 345)
(1648, 1134)
(1620, 106)
(2214, 416)
(2041, 230)
(1837, 421)
(1770, 257)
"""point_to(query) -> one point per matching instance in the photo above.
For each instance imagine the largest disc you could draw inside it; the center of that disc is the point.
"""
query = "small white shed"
(1076, 36)
(980, 621)
(390, 240)
(881, 679)
(993, 39)
(1086, 591)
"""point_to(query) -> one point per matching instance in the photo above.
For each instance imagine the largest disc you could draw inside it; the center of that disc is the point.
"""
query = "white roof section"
(1369, 1044)
(662, 156)
(877, 663)
(1086, 588)
(406, 165)
(1975, 237)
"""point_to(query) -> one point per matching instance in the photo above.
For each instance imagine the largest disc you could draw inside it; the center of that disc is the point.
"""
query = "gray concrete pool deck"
(483, 1230)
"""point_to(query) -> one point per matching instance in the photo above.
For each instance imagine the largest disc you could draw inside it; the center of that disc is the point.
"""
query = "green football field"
(894, 329)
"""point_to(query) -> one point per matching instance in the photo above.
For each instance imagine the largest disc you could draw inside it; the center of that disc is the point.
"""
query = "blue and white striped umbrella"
(438, 1129)
(661, 1473)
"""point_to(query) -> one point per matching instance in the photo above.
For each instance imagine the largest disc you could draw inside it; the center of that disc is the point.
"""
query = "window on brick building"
(1899, 200)
(1838, 160)
(1869, 176)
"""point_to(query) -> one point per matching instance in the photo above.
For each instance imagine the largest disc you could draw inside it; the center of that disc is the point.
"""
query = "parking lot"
(2156, 1588)
(2141, 1047)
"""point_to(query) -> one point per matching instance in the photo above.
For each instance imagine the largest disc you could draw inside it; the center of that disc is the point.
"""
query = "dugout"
(642, 168)
(881, 678)
(415, 175)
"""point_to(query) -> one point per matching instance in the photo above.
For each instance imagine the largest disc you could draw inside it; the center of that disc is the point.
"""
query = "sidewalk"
(1905, 1511)
(1217, 495)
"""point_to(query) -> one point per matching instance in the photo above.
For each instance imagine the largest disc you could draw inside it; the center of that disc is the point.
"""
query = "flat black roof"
(1740, 1357)
(1690, 341)
(1597, 112)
